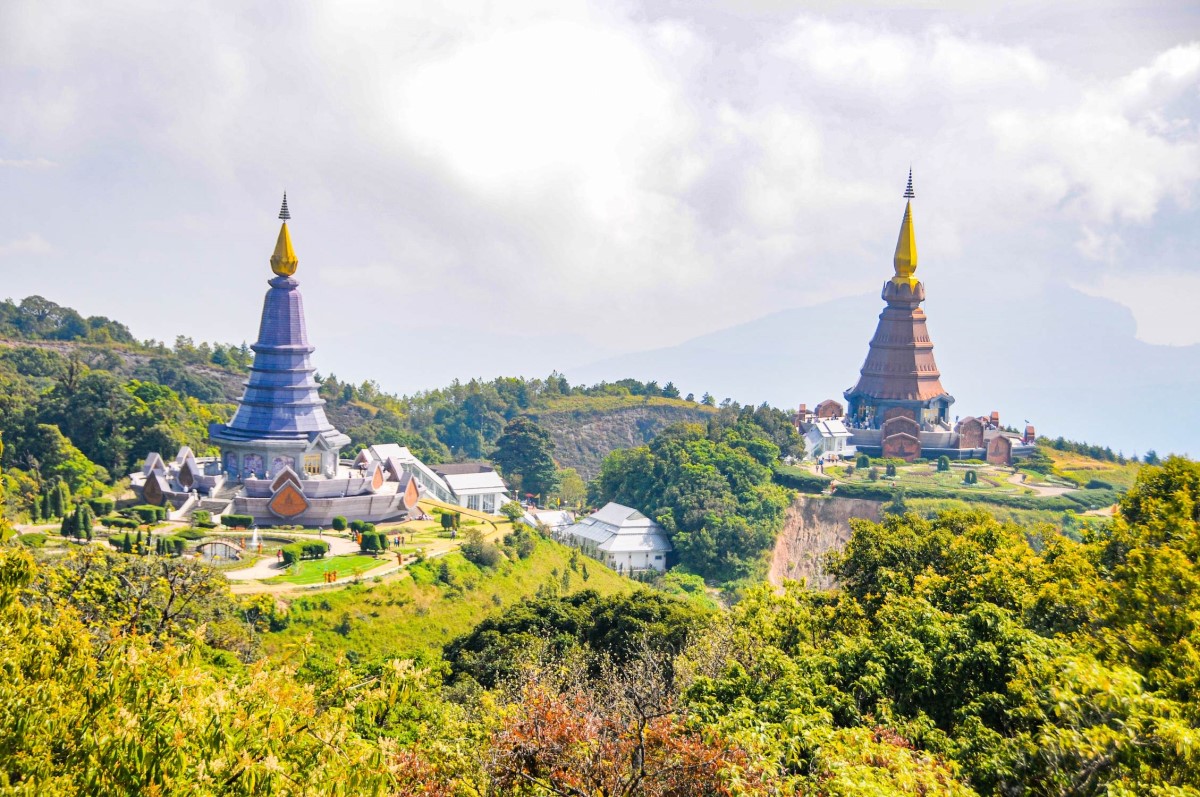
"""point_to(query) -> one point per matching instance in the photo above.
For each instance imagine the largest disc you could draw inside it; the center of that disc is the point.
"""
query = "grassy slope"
(1082, 469)
(418, 615)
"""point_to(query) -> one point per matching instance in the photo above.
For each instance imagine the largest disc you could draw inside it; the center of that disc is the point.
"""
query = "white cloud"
(26, 163)
(660, 172)
(31, 244)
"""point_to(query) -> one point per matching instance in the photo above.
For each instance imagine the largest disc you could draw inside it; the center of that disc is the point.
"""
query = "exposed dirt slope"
(815, 525)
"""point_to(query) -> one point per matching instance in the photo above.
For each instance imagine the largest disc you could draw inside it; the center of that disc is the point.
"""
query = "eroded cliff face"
(582, 438)
(814, 526)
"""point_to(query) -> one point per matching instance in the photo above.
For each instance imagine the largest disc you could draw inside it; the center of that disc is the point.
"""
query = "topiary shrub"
(971, 478)
(373, 542)
(943, 464)
(191, 534)
(238, 521)
(338, 523)
(102, 506)
(863, 461)
(357, 526)
(890, 470)
(148, 514)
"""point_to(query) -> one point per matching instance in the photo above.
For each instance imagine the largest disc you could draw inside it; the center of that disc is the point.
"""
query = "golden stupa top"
(284, 260)
(905, 259)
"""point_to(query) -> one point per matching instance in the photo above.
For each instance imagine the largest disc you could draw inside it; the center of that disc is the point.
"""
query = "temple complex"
(280, 457)
(898, 408)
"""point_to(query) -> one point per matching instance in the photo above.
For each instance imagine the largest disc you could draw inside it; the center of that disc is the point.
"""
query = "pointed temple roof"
(281, 403)
(900, 365)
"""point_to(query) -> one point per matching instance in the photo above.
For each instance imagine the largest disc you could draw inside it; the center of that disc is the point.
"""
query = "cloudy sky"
(508, 187)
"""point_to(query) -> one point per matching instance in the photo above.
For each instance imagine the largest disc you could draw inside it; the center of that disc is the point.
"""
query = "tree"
(572, 490)
(338, 523)
(513, 511)
(525, 452)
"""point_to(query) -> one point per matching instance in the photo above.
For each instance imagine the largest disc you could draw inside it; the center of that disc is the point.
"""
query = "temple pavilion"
(280, 457)
(898, 408)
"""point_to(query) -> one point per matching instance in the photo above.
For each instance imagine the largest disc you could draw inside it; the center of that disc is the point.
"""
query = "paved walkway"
(1042, 490)
(270, 566)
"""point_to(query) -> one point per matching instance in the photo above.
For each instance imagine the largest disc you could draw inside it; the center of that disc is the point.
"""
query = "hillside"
(414, 616)
(585, 431)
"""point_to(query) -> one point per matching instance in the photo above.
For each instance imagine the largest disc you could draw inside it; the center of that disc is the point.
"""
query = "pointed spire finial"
(285, 215)
(908, 192)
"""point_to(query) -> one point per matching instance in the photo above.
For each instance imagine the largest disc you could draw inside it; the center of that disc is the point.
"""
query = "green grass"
(1081, 469)
(312, 571)
(417, 615)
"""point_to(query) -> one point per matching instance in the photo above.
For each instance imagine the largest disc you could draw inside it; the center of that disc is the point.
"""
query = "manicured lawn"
(312, 571)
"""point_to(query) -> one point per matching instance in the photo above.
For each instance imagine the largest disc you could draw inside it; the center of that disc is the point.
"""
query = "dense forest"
(959, 656)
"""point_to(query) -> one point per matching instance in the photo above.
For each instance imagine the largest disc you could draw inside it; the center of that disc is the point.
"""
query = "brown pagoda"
(900, 377)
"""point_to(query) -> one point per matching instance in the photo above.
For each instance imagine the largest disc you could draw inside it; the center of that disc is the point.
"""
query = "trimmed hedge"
(308, 549)
(118, 522)
(238, 521)
(191, 534)
(102, 506)
(876, 492)
(148, 513)
(800, 480)
(373, 541)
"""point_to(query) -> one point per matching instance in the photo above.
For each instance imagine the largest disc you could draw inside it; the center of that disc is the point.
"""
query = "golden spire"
(284, 260)
(905, 260)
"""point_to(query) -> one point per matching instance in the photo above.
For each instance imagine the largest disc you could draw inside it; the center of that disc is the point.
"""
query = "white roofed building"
(622, 538)
(474, 485)
(827, 437)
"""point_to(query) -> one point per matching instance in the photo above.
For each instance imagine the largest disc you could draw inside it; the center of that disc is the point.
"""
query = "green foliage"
(710, 488)
(525, 454)
(237, 521)
(148, 514)
(616, 626)
(102, 505)
(373, 541)
(479, 551)
(971, 477)
(513, 511)
(862, 461)
(800, 479)
(306, 549)
(338, 523)
(118, 522)
(943, 463)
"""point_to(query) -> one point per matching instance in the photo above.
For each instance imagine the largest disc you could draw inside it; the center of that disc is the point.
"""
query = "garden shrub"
(148, 514)
(943, 463)
(800, 480)
(238, 521)
(863, 461)
(102, 506)
(308, 549)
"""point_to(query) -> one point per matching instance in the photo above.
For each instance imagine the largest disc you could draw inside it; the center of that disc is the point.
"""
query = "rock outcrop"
(582, 438)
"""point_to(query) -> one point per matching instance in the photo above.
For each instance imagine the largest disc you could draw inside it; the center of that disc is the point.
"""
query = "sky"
(482, 188)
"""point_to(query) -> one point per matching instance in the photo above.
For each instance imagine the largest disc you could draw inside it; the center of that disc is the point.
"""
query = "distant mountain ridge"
(1076, 369)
